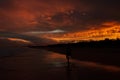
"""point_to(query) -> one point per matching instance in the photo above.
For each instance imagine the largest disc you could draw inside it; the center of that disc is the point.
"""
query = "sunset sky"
(61, 19)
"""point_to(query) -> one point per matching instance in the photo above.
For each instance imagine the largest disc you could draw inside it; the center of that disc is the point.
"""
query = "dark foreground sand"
(35, 64)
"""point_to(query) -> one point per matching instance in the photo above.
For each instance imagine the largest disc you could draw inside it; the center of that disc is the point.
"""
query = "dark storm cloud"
(101, 11)
(71, 15)
(105, 9)
(6, 4)
(93, 14)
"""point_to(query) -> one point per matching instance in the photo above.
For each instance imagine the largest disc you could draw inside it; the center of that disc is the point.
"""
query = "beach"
(37, 64)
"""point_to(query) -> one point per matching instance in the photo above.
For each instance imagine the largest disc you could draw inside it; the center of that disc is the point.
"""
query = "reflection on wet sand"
(43, 65)
(59, 58)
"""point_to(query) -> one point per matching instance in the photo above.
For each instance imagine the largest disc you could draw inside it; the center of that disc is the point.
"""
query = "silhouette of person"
(68, 55)
(68, 52)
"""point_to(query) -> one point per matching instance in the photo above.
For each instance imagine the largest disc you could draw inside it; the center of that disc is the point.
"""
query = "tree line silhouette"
(107, 43)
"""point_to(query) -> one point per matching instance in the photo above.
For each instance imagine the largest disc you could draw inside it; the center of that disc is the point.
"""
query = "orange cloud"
(111, 32)
(19, 40)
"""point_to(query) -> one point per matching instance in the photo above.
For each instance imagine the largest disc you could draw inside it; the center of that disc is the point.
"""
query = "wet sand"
(34, 64)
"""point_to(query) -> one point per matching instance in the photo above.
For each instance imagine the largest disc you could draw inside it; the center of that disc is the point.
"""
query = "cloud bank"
(71, 15)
